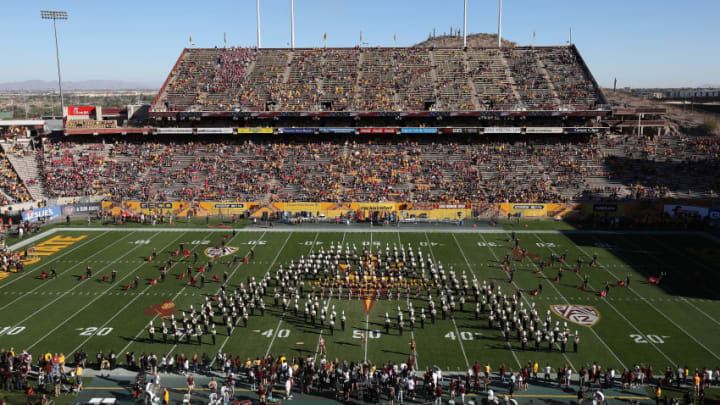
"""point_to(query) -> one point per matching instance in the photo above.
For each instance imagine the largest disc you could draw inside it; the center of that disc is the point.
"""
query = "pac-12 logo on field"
(220, 252)
(584, 315)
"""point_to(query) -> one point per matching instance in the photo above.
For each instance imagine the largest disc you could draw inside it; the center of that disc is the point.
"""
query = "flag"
(533, 35)
(191, 38)
(325, 37)
(224, 38)
(395, 37)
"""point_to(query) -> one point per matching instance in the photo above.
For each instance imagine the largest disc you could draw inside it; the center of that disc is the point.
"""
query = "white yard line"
(97, 298)
(452, 317)
(614, 309)
(467, 263)
(277, 328)
(143, 329)
(367, 330)
(526, 300)
(45, 285)
(661, 312)
(412, 333)
(699, 263)
(235, 269)
(317, 347)
(43, 264)
(128, 304)
(80, 283)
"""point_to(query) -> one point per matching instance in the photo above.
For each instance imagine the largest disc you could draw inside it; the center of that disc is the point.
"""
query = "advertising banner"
(543, 130)
(605, 207)
(677, 210)
(174, 131)
(79, 209)
(502, 130)
(214, 130)
(80, 111)
(376, 130)
(254, 130)
(527, 210)
(336, 130)
(296, 130)
(418, 130)
(46, 212)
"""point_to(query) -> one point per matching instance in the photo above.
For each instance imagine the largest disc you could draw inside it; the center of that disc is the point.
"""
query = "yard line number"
(657, 339)
(92, 330)
(11, 330)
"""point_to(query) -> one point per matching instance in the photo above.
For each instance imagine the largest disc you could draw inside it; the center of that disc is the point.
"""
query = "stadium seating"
(379, 79)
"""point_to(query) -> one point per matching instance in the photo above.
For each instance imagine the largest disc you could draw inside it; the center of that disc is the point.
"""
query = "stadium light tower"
(292, 24)
(465, 25)
(257, 6)
(500, 25)
(54, 16)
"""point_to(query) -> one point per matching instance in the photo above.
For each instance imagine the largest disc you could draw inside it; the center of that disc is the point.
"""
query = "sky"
(642, 43)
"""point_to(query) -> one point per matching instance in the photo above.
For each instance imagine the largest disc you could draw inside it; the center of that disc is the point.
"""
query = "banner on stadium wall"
(714, 215)
(214, 130)
(45, 212)
(676, 209)
(502, 130)
(376, 130)
(336, 130)
(205, 208)
(296, 130)
(80, 111)
(80, 209)
(455, 130)
(585, 130)
(418, 130)
(543, 130)
(254, 130)
(174, 131)
(298, 207)
(440, 213)
(382, 207)
(524, 209)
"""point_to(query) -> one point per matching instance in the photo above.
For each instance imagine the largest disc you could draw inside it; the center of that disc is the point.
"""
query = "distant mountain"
(39, 85)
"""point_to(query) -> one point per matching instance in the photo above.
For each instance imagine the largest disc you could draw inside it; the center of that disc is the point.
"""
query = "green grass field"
(674, 323)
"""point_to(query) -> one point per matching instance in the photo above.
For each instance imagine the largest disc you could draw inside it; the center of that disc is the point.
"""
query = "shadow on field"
(690, 262)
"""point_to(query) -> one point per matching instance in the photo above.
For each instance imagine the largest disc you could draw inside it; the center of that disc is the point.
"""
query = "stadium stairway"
(26, 166)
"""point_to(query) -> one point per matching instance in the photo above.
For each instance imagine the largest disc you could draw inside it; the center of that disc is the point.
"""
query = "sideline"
(362, 229)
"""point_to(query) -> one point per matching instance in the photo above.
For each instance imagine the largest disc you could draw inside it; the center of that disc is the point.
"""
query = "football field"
(674, 323)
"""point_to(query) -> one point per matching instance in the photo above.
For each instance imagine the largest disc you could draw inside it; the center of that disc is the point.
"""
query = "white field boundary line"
(412, 333)
(632, 325)
(277, 328)
(457, 331)
(96, 298)
(467, 263)
(41, 265)
(528, 302)
(128, 304)
(81, 261)
(699, 263)
(235, 269)
(667, 317)
(80, 283)
(32, 239)
(649, 303)
(357, 229)
(317, 347)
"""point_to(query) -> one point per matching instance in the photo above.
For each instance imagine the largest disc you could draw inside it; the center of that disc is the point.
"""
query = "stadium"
(436, 223)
